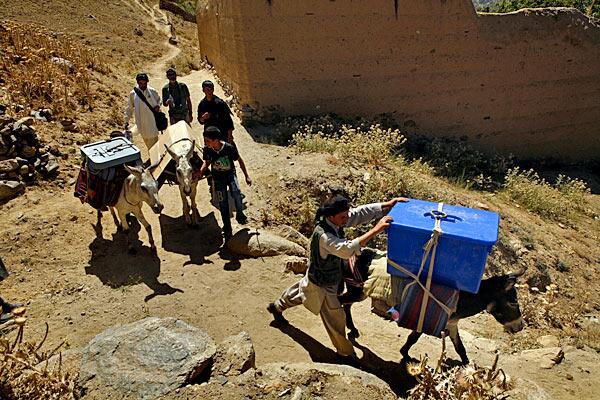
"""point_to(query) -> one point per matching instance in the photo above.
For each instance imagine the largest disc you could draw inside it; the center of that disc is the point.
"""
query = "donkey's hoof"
(354, 333)
(153, 249)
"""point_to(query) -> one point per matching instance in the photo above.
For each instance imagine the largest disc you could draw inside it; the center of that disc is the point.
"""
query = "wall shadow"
(197, 243)
(393, 373)
(115, 267)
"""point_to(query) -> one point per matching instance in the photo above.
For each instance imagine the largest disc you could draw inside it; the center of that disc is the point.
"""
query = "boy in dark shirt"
(212, 111)
(220, 157)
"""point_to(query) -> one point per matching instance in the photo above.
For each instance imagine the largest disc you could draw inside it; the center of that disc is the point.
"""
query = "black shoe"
(277, 315)
(242, 220)
(5, 317)
(7, 307)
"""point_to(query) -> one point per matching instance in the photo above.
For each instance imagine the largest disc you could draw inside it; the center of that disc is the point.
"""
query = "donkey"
(182, 152)
(497, 295)
(140, 186)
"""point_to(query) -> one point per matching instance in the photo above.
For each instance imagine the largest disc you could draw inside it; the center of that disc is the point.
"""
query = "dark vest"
(327, 272)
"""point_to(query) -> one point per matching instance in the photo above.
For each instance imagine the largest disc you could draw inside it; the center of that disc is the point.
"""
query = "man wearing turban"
(329, 251)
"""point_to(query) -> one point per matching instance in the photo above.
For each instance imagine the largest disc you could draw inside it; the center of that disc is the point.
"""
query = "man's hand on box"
(391, 203)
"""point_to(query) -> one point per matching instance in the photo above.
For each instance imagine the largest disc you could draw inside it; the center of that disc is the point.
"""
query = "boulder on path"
(147, 358)
(317, 380)
(256, 243)
(235, 355)
(287, 232)
(9, 189)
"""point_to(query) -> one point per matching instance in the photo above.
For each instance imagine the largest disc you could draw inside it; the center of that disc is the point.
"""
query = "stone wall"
(526, 83)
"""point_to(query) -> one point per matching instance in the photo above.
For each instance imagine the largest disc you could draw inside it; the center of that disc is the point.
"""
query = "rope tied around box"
(430, 248)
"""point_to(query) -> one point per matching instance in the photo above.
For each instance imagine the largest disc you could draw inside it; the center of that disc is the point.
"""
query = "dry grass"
(21, 377)
(43, 69)
(561, 202)
(186, 62)
(468, 382)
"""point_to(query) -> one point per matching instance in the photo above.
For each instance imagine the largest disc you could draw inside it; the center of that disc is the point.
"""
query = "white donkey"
(182, 151)
(139, 187)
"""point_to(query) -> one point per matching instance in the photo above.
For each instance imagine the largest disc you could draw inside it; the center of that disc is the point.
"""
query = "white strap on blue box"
(430, 248)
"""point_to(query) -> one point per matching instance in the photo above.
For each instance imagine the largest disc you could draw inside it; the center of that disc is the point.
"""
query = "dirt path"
(81, 282)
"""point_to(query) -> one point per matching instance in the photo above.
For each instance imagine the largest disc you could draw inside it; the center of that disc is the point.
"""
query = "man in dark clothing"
(212, 111)
(220, 157)
(5, 307)
(176, 96)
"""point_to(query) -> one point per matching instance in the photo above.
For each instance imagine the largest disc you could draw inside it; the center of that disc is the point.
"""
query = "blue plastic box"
(467, 238)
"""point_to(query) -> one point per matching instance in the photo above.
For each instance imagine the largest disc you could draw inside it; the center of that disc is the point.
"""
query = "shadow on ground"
(115, 267)
(393, 373)
(196, 242)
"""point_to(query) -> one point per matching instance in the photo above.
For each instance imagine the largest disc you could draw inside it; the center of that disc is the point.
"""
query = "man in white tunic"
(144, 117)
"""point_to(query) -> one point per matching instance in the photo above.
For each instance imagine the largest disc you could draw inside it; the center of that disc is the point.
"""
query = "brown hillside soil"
(81, 280)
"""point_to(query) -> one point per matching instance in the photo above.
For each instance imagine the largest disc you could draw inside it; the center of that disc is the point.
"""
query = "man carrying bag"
(148, 117)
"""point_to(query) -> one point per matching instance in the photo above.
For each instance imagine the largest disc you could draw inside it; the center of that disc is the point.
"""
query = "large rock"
(287, 232)
(7, 166)
(147, 358)
(256, 243)
(9, 189)
(315, 379)
(235, 355)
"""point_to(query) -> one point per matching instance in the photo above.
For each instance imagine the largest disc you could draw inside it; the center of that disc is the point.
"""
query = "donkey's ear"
(134, 170)
(517, 274)
(173, 155)
(191, 150)
(510, 284)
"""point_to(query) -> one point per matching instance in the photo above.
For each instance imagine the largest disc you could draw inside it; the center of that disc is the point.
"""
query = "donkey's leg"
(410, 341)
(452, 327)
(140, 216)
(125, 226)
(195, 213)
(117, 223)
(186, 207)
(98, 226)
(349, 322)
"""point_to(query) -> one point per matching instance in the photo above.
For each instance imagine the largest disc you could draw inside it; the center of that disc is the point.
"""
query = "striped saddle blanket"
(405, 296)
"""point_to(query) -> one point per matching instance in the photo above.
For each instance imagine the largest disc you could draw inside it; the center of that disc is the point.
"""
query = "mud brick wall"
(526, 83)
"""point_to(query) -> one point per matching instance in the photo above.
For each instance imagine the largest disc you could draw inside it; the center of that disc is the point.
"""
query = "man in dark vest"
(329, 251)
(176, 96)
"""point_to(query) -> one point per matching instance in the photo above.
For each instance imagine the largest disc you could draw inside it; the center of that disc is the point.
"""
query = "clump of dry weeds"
(44, 69)
(457, 383)
(22, 378)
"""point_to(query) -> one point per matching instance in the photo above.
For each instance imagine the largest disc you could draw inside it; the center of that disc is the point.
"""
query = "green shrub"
(356, 147)
(559, 202)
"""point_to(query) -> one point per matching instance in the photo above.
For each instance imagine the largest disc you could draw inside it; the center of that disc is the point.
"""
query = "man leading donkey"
(329, 252)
